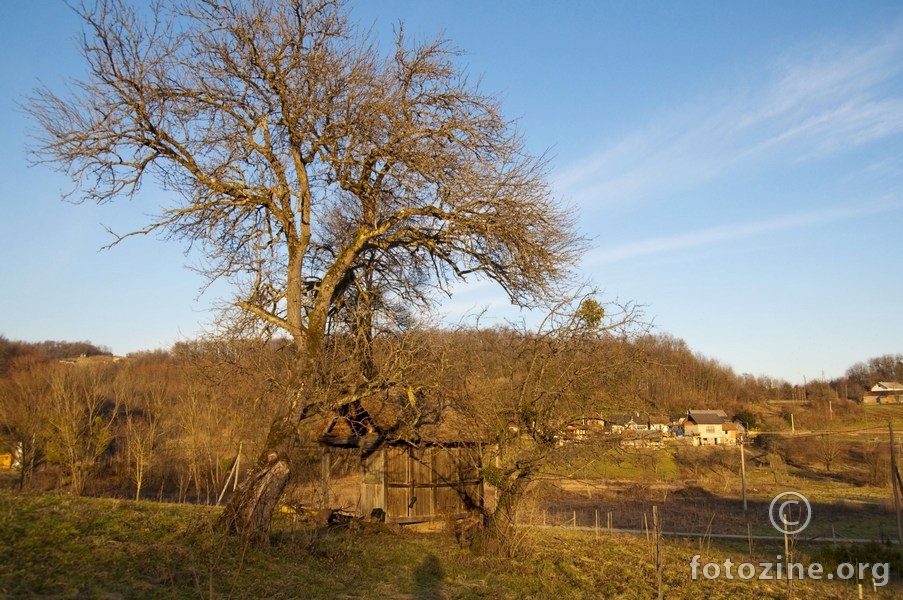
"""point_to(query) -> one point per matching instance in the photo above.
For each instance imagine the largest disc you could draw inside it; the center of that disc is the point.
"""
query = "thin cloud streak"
(812, 106)
(735, 232)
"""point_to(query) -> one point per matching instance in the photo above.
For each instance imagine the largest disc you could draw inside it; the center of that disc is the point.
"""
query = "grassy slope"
(864, 511)
(62, 547)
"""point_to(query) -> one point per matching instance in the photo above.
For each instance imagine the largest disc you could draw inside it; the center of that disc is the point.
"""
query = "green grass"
(62, 547)
(625, 464)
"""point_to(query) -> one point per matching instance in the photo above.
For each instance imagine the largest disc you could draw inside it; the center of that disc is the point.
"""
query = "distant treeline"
(169, 423)
(49, 349)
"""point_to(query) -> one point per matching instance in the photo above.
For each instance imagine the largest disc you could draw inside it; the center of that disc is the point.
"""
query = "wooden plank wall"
(423, 483)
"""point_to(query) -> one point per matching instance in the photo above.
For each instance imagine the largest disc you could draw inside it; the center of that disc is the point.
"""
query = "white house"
(884, 392)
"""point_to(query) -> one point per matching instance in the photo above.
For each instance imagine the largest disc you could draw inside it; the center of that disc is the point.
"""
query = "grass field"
(711, 498)
(57, 546)
(62, 547)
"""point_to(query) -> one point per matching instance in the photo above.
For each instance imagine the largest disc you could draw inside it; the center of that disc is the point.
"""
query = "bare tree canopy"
(301, 157)
(297, 152)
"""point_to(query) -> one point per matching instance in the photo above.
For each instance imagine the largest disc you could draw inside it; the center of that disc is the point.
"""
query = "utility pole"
(894, 480)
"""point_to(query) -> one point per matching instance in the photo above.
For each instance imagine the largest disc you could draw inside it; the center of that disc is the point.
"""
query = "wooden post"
(743, 473)
(894, 479)
(749, 536)
(657, 549)
(237, 468)
(234, 472)
(787, 558)
(325, 475)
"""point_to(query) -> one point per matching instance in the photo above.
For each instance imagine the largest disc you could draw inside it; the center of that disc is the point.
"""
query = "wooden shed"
(417, 463)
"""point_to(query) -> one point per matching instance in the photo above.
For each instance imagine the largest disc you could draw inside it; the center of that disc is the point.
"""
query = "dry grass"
(62, 547)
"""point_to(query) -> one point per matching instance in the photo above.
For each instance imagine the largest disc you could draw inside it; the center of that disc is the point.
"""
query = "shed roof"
(887, 386)
(396, 416)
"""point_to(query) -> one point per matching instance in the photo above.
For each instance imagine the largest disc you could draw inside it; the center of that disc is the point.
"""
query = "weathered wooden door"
(430, 482)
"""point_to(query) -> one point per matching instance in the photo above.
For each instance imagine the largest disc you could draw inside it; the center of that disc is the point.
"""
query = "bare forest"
(169, 424)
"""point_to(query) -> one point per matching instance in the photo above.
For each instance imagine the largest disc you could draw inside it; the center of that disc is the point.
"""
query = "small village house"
(884, 392)
(619, 423)
(706, 426)
(676, 424)
(579, 430)
(659, 423)
(734, 433)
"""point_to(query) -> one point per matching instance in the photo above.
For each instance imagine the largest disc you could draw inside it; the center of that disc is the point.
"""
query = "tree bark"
(250, 510)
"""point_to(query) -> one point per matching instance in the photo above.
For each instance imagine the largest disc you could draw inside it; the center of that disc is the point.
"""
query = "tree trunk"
(502, 526)
(250, 509)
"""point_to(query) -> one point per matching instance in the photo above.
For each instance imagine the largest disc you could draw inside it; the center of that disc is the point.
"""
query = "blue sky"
(738, 167)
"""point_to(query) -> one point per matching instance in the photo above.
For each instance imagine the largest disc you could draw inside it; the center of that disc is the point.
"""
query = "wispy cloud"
(737, 231)
(812, 103)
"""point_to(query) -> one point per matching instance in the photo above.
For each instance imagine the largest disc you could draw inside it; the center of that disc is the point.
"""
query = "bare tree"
(23, 418)
(524, 388)
(299, 156)
(81, 419)
(144, 402)
(829, 448)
